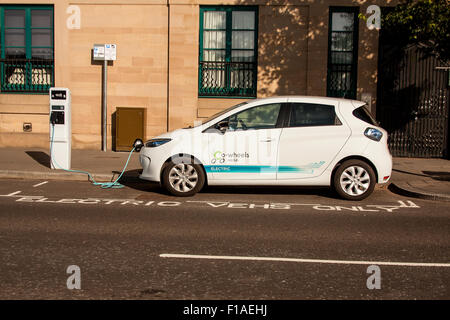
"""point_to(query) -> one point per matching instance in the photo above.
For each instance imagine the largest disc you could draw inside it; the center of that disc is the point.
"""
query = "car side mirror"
(223, 126)
(138, 144)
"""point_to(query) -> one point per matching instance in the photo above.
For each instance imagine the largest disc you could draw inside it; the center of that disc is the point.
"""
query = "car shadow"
(131, 179)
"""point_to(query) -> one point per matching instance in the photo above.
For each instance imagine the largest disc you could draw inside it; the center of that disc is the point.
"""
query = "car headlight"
(153, 143)
(373, 134)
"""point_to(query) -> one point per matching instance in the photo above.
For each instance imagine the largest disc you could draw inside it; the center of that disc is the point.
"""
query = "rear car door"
(311, 139)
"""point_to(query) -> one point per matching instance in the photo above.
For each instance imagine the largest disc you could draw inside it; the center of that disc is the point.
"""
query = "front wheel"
(354, 180)
(183, 178)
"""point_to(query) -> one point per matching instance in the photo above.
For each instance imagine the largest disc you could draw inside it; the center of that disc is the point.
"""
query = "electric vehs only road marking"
(214, 204)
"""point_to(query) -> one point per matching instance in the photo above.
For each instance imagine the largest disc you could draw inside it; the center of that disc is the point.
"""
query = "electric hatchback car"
(283, 141)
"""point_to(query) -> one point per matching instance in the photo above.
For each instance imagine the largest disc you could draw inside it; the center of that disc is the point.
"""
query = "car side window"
(310, 114)
(260, 117)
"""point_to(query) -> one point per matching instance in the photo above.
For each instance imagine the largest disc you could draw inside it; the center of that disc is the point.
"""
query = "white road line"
(40, 184)
(381, 263)
(11, 194)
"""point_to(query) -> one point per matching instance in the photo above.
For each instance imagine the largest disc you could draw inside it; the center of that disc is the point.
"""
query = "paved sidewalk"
(420, 178)
(34, 163)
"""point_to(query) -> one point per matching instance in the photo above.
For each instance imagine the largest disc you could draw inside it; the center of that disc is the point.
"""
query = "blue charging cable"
(104, 185)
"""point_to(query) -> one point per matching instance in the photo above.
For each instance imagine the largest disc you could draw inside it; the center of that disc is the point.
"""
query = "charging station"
(60, 128)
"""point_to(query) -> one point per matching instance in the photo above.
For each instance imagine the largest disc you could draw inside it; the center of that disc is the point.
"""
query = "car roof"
(353, 103)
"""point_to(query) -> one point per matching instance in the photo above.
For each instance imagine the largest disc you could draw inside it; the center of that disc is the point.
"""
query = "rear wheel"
(354, 180)
(183, 178)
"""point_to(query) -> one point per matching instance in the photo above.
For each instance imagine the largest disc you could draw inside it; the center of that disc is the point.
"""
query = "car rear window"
(309, 114)
(364, 114)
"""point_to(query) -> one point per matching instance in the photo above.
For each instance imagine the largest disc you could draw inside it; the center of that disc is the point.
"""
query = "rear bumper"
(378, 153)
(384, 169)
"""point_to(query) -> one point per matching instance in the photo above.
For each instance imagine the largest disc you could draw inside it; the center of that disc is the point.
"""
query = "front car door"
(312, 138)
(247, 150)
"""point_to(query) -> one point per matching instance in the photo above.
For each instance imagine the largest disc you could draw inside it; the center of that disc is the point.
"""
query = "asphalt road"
(127, 243)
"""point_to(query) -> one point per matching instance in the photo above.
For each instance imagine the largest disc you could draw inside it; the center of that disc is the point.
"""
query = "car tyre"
(182, 177)
(354, 180)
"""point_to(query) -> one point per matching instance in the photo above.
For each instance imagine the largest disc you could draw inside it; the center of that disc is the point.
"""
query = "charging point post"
(105, 53)
(104, 105)
(61, 136)
(60, 128)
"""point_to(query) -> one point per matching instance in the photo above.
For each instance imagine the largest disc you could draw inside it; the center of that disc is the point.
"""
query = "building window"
(342, 52)
(228, 51)
(26, 46)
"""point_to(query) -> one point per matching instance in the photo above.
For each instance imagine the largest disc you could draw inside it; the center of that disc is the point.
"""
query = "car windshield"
(218, 114)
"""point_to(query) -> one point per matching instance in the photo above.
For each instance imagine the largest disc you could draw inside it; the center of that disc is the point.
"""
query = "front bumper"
(150, 171)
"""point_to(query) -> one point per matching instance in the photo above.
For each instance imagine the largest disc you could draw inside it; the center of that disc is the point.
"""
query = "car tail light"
(373, 134)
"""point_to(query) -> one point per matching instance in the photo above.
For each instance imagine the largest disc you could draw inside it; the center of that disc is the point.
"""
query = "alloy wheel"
(355, 180)
(183, 177)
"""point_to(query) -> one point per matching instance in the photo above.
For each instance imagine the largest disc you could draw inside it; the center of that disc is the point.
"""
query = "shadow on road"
(40, 157)
(438, 175)
(411, 173)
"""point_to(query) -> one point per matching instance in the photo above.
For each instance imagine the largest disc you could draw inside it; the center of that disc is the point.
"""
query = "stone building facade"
(181, 60)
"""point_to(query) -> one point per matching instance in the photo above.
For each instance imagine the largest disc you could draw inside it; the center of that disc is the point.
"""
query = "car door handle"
(266, 140)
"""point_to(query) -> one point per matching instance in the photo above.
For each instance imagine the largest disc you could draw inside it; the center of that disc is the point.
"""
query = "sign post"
(105, 53)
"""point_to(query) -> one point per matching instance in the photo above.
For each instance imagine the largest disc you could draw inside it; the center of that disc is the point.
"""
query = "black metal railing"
(341, 81)
(26, 75)
(413, 101)
(237, 79)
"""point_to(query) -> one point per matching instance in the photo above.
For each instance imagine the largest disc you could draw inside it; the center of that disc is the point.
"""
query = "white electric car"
(283, 141)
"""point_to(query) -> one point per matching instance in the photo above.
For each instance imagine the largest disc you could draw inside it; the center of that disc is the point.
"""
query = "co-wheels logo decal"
(309, 168)
(221, 157)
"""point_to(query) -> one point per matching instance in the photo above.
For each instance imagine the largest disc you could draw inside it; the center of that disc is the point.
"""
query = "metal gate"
(413, 100)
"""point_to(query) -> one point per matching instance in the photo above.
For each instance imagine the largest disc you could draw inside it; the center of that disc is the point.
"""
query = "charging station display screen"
(59, 95)
(58, 108)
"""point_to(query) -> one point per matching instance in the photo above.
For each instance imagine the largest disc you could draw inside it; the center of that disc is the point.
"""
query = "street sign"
(102, 52)
(110, 52)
